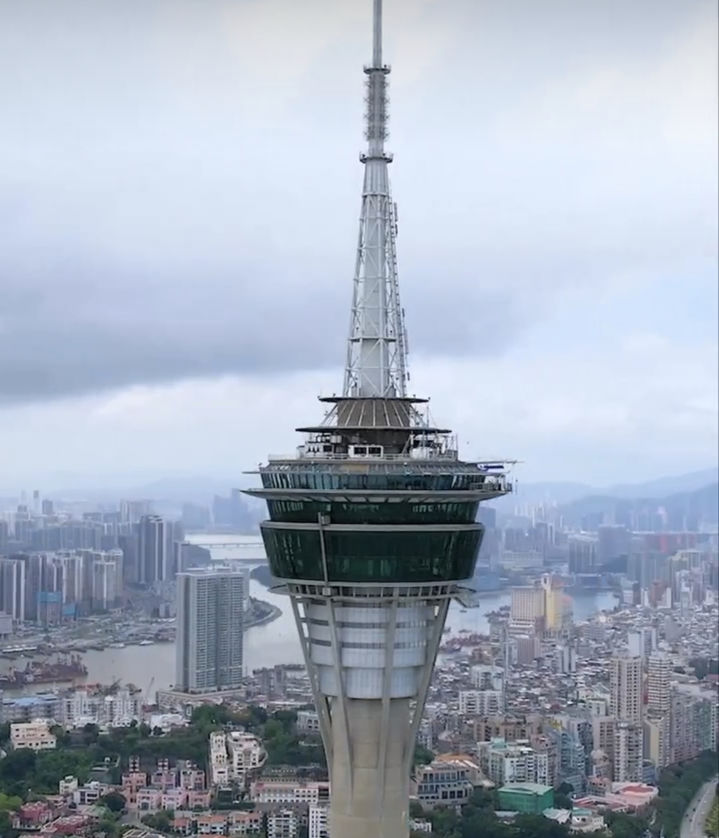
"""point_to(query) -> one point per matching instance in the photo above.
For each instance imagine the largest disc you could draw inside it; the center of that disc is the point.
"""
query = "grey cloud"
(178, 200)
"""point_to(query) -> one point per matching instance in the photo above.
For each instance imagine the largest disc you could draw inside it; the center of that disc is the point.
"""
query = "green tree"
(537, 826)
(6, 828)
(114, 801)
(422, 755)
(161, 821)
(622, 825)
(16, 771)
(10, 803)
(415, 809)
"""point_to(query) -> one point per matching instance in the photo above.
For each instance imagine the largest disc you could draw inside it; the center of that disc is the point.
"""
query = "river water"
(153, 667)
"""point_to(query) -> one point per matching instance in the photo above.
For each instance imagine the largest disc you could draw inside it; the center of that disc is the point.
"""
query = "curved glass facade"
(373, 556)
(318, 479)
(390, 512)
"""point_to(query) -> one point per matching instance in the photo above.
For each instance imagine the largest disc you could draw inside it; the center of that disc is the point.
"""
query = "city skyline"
(184, 297)
(382, 654)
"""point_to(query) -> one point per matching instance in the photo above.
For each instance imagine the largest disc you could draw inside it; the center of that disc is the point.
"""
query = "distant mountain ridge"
(679, 511)
(530, 494)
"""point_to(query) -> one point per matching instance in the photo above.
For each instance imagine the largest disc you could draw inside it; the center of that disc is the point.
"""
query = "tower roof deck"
(387, 464)
(374, 413)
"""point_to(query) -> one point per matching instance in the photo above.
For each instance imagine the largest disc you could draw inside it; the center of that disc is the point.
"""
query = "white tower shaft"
(376, 351)
(370, 653)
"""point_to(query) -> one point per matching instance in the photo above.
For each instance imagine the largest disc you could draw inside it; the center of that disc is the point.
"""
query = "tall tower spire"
(377, 346)
(373, 530)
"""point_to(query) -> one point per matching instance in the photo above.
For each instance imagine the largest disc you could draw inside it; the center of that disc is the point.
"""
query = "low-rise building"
(235, 757)
(308, 721)
(532, 798)
(89, 793)
(33, 735)
(245, 823)
(247, 755)
(67, 785)
(211, 824)
(445, 783)
(218, 764)
(513, 762)
(33, 815)
(289, 791)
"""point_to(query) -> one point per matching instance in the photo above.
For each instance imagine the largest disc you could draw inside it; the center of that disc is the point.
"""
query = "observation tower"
(372, 528)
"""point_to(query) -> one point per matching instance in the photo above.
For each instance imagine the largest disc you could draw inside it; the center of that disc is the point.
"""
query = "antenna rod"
(377, 41)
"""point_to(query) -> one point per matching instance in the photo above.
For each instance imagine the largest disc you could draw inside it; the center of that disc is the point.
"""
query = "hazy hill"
(529, 494)
(683, 510)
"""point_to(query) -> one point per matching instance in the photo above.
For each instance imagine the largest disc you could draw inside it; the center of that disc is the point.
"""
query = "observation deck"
(377, 495)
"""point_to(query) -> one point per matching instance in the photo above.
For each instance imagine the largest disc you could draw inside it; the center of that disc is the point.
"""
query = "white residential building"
(209, 629)
(319, 821)
(33, 735)
(282, 823)
(246, 755)
(628, 752)
(515, 762)
(67, 785)
(235, 757)
(626, 687)
(486, 677)
(118, 709)
(481, 702)
(219, 767)
(659, 671)
(308, 721)
(89, 793)
(289, 791)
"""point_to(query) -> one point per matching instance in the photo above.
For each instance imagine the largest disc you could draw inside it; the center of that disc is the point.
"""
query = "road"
(696, 813)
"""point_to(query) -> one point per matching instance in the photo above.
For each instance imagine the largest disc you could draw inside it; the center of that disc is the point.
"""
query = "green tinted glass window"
(383, 512)
(370, 556)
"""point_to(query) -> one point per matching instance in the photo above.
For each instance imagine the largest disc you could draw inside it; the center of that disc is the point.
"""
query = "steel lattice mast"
(377, 346)
(372, 530)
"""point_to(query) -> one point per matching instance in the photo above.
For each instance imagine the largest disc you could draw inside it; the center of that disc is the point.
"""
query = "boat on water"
(117, 645)
(145, 643)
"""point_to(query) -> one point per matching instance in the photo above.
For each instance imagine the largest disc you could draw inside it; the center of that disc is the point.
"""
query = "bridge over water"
(247, 548)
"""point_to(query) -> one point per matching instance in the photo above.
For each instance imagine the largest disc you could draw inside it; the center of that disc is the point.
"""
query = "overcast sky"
(179, 193)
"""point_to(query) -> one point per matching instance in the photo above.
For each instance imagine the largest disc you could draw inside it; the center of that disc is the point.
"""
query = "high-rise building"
(4, 537)
(12, 588)
(694, 719)
(527, 608)
(152, 552)
(582, 549)
(659, 670)
(557, 605)
(628, 753)
(613, 544)
(657, 740)
(626, 688)
(132, 511)
(603, 728)
(107, 583)
(372, 528)
(209, 630)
